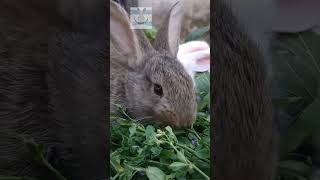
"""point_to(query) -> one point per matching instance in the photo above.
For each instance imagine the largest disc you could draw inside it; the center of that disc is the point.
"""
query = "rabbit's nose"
(167, 116)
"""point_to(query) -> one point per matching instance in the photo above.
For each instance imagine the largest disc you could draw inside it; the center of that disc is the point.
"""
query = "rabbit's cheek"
(164, 114)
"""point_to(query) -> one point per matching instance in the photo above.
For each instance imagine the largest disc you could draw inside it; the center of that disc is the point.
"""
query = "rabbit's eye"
(157, 89)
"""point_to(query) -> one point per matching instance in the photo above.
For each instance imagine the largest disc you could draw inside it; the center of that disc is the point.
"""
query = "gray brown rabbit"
(147, 80)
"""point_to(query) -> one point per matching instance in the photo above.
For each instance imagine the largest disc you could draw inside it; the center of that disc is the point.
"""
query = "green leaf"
(197, 34)
(176, 166)
(155, 173)
(156, 151)
(203, 153)
(296, 168)
(181, 177)
(115, 161)
(127, 174)
(132, 130)
(202, 81)
(150, 131)
(170, 177)
(307, 124)
(151, 33)
(35, 150)
(204, 103)
(167, 155)
(181, 156)
(171, 134)
(287, 101)
(203, 90)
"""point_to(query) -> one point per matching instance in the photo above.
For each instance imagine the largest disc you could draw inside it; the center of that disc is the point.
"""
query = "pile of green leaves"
(296, 68)
(155, 153)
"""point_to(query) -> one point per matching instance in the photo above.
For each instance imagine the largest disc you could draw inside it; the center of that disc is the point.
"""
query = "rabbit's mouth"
(167, 118)
(171, 118)
(141, 115)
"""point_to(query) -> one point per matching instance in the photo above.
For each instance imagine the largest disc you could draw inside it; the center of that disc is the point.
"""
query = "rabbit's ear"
(168, 37)
(123, 37)
(195, 56)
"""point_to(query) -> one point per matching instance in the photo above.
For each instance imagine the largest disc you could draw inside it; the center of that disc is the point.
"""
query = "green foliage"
(155, 153)
(165, 151)
(203, 90)
(296, 68)
(295, 166)
(151, 33)
(197, 34)
(194, 35)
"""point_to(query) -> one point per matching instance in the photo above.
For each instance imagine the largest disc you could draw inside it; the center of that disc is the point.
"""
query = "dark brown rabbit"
(150, 82)
(52, 73)
(244, 129)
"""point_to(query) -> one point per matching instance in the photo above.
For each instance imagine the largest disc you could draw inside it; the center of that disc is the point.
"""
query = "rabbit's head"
(157, 86)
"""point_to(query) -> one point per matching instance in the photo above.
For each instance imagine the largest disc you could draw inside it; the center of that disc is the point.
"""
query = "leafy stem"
(199, 171)
(193, 152)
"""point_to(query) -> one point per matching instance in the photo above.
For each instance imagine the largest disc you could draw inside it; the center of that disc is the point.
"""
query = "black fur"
(52, 88)
(244, 130)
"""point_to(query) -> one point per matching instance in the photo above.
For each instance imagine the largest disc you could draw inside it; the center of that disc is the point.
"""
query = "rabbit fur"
(245, 131)
(52, 89)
